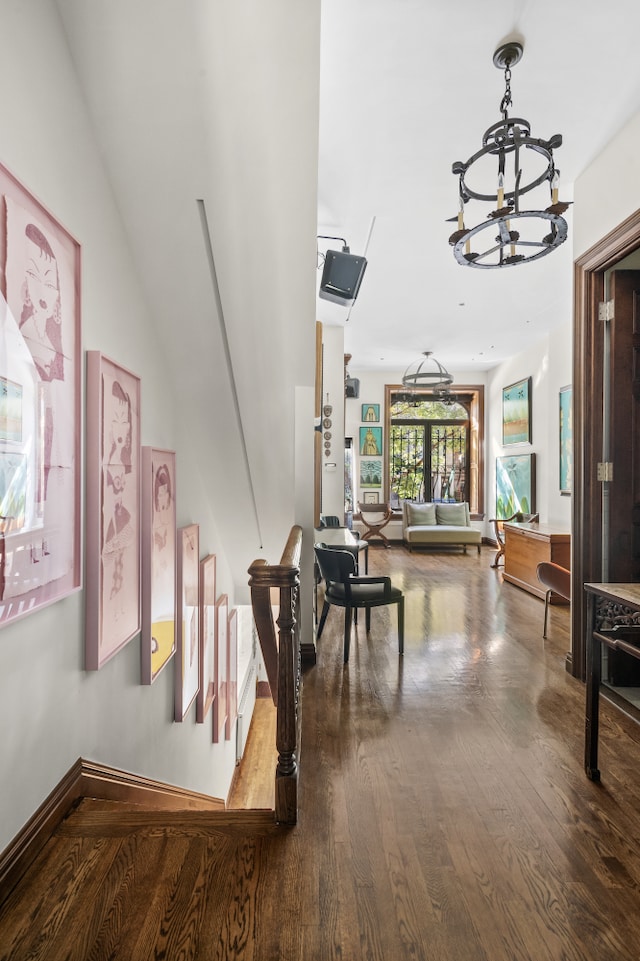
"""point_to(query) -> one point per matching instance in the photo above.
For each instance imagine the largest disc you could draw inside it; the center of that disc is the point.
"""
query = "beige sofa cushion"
(453, 515)
(423, 515)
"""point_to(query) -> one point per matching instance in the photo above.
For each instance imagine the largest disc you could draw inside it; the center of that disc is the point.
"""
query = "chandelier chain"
(506, 100)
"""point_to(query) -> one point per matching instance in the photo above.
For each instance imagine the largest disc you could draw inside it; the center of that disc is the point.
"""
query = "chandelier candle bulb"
(500, 192)
(554, 187)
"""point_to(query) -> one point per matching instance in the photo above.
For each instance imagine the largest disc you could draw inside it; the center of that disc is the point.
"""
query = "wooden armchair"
(498, 527)
(375, 517)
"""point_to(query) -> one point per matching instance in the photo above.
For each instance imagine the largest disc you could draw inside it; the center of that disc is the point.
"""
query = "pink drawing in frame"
(158, 639)
(40, 358)
(220, 705)
(113, 609)
(232, 672)
(188, 651)
(206, 692)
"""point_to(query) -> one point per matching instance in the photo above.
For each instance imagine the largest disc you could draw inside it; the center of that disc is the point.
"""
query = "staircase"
(119, 881)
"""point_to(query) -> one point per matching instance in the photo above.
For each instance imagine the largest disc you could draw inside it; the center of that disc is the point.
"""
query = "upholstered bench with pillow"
(438, 525)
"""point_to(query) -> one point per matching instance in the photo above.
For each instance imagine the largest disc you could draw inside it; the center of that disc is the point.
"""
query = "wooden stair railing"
(281, 655)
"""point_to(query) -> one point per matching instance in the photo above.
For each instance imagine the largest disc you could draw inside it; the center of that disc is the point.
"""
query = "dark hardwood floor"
(444, 815)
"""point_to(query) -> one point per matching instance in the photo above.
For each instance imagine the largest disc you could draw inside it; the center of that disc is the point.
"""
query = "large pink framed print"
(188, 654)
(113, 509)
(220, 712)
(40, 398)
(158, 641)
(207, 636)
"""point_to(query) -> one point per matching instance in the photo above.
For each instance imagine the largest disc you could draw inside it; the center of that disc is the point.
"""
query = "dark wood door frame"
(586, 542)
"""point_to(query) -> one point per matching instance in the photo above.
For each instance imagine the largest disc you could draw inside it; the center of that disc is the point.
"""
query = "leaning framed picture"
(188, 607)
(113, 607)
(515, 485)
(207, 685)
(40, 405)
(566, 441)
(516, 413)
(370, 497)
(158, 640)
(221, 705)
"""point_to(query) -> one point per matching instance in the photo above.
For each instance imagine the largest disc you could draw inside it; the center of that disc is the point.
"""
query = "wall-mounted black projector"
(341, 276)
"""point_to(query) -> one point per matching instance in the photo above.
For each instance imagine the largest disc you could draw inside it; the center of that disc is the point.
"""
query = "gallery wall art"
(188, 608)
(158, 639)
(40, 400)
(515, 485)
(221, 711)
(566, 441)
(516, 413)
(206, 692)
(113, 608)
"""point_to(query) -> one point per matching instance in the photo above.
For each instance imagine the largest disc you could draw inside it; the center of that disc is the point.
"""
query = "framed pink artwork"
(113, 509)
(188, 608)
(220, 698)
(40, 397)
(232, 672)
(207, 636)
(158, 641)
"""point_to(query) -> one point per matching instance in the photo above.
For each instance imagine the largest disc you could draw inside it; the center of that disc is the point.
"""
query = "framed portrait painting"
(371, 441)
(370, 413)
(40, 399)
(206, 692)
(158, 641)
(516, 413)
(113, 607)
(566, 441)
(221, 706)
(515, 485)
(188, 607)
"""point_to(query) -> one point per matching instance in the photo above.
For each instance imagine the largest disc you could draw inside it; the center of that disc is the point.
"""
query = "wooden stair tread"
(95, 818)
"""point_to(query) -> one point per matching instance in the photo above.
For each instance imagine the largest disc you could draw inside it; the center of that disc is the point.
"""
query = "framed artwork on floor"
(206, 692)
(232, 672)
(516, 413)
(370, 413)
(40, 398)
(188, 607)
(371, 441)
(221, 705)
(515, 485)
(566, 441)
(158, 641)
(113, 606)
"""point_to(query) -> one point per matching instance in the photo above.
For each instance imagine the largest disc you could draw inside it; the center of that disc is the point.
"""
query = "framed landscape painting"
(371, 473)
(515, 485)
(232, 672)
(158, 643)
(516, 413)
(566, 441)
(113, 608)
(188, 650)
(40, 405)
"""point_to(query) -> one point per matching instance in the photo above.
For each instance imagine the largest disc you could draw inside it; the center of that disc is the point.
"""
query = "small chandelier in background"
(522, 235)
(426, 372)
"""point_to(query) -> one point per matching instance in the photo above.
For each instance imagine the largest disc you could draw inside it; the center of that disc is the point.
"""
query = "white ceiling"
(408, 87)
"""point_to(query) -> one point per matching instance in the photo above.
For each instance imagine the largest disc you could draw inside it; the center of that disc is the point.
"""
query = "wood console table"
(625, 639)
(526, 546)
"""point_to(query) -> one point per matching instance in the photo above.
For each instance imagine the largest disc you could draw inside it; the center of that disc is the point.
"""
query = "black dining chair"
(344, 589)
(329, 520)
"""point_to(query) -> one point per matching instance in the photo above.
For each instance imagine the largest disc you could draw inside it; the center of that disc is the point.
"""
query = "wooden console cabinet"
(526, 546)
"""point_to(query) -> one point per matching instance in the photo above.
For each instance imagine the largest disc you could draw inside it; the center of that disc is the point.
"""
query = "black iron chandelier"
(426, 371)
(508, 234)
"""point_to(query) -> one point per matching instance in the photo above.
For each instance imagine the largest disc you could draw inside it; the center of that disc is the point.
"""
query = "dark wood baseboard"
(88, 779)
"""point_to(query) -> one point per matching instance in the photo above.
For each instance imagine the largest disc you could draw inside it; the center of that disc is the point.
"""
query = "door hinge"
(605, 310)
(605, 471)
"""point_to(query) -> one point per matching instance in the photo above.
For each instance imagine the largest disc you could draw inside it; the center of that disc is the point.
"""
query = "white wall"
(51, 710)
